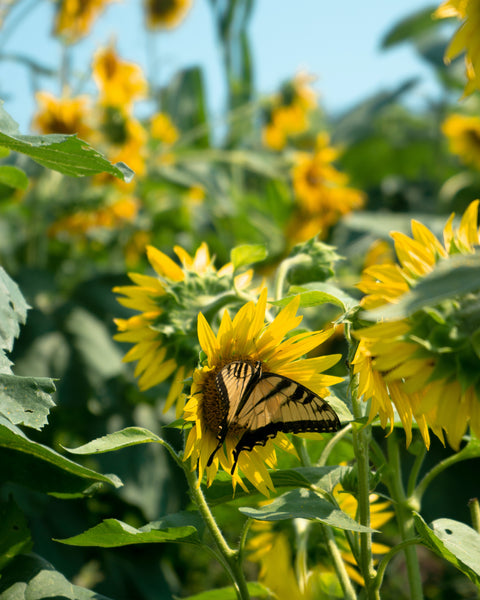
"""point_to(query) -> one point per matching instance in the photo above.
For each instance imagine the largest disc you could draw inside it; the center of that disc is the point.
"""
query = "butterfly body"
(259, 405)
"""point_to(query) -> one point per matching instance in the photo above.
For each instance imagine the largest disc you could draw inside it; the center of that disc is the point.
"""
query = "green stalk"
(382, 565)
(322, 461)
(474, 507)
(230, 556)
(338, 564)
(361, 439)
(403, 511)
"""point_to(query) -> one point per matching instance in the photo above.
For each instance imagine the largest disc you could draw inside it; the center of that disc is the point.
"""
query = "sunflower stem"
(415, 470)
(338, 564)
(464, 454)
(382, 565)
(361, 439)
(282, 271)
(322, 461)
(231, 557)
(474, 508)
(403, 511)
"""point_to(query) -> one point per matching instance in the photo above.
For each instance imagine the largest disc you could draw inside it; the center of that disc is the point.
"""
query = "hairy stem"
(230, 556)
(404, 516)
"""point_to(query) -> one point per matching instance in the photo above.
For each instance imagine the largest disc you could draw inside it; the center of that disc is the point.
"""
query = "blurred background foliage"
(277, 170)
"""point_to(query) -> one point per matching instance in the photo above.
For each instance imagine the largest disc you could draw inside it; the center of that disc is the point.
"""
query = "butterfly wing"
(234, 384)
(276, 403)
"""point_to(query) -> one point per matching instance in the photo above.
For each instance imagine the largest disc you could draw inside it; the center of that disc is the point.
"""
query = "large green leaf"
(13, 177)
(130, 436)
(304, 504)
(30, 577)
(454, 541)
(15, 536)
(13, 310)
(247, 254)
(460, 274)
(413, 26)
(324, 478)
(26, 400)
(64, 153)
(256, 590)
(112, 533)
(36, 466)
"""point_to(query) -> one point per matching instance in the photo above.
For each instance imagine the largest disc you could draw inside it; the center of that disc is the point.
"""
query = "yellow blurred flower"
(159, 348)
(288, 115)
(119, 82)
(466, 37)
(135, 247)
(62, 115)
(75, 18)
(321, 192)
(133, 150)
(163, 129)
(248, 339)
(272, 549)
(426, 365)
(463, 135)
(166, 13)
(121, 211)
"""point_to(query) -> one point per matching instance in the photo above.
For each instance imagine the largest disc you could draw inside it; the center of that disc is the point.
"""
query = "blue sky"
(336, 41)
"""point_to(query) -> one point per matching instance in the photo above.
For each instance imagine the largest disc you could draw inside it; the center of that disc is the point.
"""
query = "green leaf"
(324, 478)
(130, 436)
(64, 153)
(26, 400)
(415, 25)
(459, 274)
(30, 577)
(255, 589)
(304, 504)
(112, 533)
(16, 537)
(247, 255)
(317, 293)
(456, 542)
(38, 467)
(13, 310)
(13, 177)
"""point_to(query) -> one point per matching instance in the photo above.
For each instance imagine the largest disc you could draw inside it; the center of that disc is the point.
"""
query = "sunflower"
(113, 216)
(62, 115)
(166, 13)
(168, 305)
(75, 17)
(270, 547)
(247, 338)
(120, 82)
(463, 135)
(321, 191)
(425, 365)
(289, 112)
(465, 38)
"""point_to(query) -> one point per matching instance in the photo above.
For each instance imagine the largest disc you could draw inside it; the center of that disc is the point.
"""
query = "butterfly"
(260, 404)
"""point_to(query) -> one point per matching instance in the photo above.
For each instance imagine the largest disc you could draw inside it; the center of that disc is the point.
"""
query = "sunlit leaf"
(13, 177)
(454, 541)
(64, 153)
(247, 254)
(112, 533)
(130, 436)
(304, 504)
(26, 400)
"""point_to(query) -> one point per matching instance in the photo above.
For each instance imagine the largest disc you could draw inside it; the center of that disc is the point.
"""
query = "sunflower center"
(214, 409)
